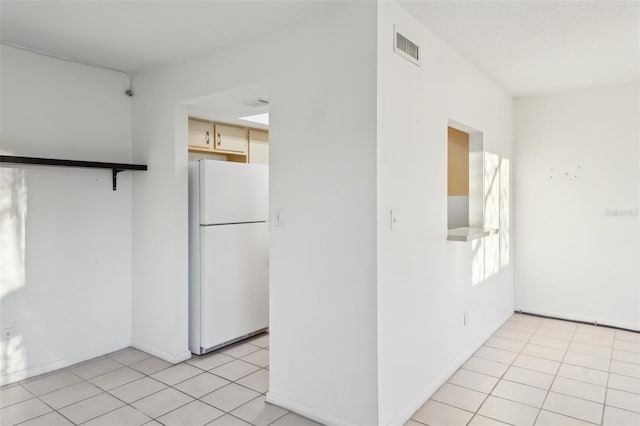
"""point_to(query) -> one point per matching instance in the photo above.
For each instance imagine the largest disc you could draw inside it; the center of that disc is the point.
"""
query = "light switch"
(278, 217)
(395, 221)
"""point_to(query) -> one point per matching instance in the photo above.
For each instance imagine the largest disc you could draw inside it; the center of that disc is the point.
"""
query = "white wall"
(425, 284)
(65, 259)
(322, 171)
(577, 156)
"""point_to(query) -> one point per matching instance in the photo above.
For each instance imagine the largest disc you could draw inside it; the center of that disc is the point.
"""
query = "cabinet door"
(258, 146)
(231, 139)
(200, 134)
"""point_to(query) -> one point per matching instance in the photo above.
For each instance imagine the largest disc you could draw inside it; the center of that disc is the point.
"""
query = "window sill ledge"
(469, 234)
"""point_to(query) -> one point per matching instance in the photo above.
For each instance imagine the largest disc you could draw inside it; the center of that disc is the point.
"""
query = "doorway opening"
(226, 137)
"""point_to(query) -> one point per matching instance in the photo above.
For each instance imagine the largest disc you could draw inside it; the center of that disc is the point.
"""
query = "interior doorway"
(226, 136)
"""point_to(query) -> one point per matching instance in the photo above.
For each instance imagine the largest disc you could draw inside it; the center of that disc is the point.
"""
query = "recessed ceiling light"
(258, 118)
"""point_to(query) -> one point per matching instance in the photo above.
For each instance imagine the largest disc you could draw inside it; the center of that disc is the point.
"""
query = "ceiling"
(228, 105)
(131, 35)
(532, 47)
(527, 47)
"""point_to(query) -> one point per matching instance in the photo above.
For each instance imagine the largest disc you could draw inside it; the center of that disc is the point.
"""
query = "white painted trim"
(172, 358)
(15, 376)
(405, 416)
(571, 317)
(307, 411)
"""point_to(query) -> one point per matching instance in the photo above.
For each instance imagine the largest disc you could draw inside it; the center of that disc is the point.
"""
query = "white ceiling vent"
(405, 47)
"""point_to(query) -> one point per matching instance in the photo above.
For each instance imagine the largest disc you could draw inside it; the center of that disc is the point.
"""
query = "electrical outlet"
(8, 333)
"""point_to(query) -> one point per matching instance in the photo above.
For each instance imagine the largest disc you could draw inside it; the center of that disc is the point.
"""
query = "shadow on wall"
(491, 254)
(13, 216)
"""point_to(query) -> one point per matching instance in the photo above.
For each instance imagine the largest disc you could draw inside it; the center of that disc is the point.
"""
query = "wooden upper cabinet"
(235, 143)
(258, 146)
(231, 139)
(201, 134)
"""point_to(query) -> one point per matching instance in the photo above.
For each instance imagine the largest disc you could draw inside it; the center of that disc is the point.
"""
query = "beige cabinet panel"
(258, 152)
(258, 146)
(200, 134)
(231, 139)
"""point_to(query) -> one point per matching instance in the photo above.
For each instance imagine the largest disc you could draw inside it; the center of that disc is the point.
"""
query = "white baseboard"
(305, 410)
(169, 357)
(28, 372)
(572, 317)
(405, 415)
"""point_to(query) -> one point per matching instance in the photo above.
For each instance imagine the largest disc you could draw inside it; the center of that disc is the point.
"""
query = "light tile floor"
(531, 371)
(131, 388)
(543, 372)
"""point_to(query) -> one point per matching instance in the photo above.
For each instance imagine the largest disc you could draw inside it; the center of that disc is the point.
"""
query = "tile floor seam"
(53, 410)
(18, 384)
(499, 420)
(606, 387)
(574, 396)
(122, 384)
(177, 408)
(279, 417)
(603, 404)
(234, 408)
(626, 375)
(162, 369)
(37, 417)
(567, 415)
(241, 405)
(136, 400)
(463, 386)
(578, 380)
(180, 406)
(209, 371)
(239, 378)
(503, 374)
(623, 409)
(544, 401)
(52, 373)
(233, 415)
(74, 402)
(230, 382)
(520, 402)
(102, 414)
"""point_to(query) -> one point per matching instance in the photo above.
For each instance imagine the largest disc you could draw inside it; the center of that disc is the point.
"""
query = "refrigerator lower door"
(234, 282)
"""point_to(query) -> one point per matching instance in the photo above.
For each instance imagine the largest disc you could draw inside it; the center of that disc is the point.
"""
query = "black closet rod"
(115, 167)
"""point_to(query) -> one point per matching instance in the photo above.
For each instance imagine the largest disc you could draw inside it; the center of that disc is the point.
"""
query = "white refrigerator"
(228, 252)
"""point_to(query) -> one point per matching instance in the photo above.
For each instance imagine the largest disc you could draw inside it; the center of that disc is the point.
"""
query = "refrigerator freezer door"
(235, 276)
(233, 192)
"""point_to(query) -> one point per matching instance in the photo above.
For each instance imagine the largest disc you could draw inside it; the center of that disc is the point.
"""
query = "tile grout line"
(193, 399)
(102, 391)
(577, 397)
(502, 376)
(554, 377)
(527, 343)
(82, 379)
(208, 404)
(606, 388)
